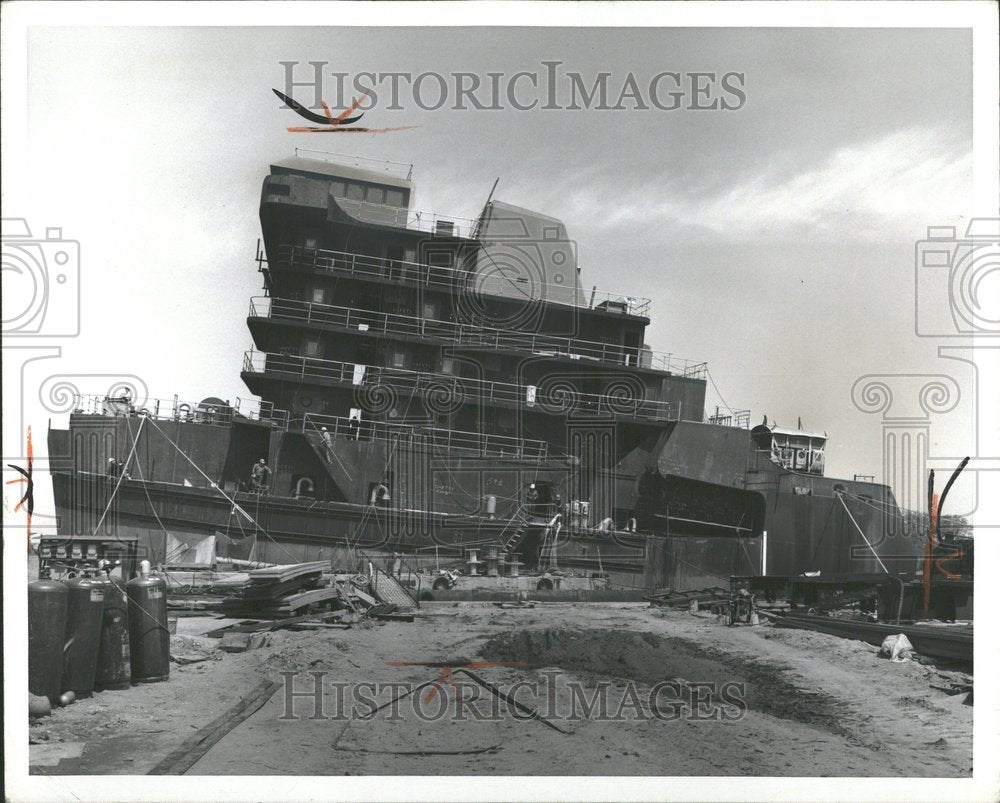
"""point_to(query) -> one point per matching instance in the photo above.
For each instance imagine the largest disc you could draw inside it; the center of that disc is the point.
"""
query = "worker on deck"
(112, 469)
(355, 425)
(328, 442)
(531, 499)
(561, 508)
(260, 476)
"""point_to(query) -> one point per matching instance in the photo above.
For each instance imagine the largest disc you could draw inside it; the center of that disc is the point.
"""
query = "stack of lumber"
(280, 591)
(299, 591)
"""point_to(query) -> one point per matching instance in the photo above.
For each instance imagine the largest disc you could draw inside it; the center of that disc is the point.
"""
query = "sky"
(776, 241)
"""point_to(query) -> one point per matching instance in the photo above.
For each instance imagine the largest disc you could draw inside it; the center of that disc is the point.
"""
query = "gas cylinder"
(149, 638)
(46, 627)
(84, 613)
(114, 666)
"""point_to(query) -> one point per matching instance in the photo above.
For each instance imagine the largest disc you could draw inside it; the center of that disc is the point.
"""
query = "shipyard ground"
(816, 705)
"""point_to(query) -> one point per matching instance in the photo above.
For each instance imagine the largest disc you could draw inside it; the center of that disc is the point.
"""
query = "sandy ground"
(815, 705)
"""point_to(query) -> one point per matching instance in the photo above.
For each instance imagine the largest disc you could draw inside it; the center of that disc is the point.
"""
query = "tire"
(544, 584)
(440, 584)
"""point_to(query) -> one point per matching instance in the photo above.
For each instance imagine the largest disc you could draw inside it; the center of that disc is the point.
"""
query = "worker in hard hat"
(531, 499)
(260, 476)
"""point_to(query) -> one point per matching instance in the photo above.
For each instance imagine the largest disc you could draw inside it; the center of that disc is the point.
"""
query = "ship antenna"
(482, 216)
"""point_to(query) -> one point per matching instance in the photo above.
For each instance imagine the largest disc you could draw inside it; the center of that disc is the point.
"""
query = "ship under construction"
(427, 385)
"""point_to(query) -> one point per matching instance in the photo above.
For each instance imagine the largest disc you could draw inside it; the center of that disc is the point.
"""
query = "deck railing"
(381, 387)
(470, 335)
(337, 427)
(203, 412)
(399, 169)
(730, 418)
(175, 410)
(457, 279)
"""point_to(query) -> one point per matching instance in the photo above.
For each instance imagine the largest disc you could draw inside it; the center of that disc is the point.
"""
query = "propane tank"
(149, 639)
(114, 666)
(491, 506)
(85, 611)
(46, 627)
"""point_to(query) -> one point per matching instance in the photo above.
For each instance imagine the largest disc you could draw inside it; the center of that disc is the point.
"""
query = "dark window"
(443, 259)
(393, 198)
(355, 192)
(338, 188)
(375, 195)
(280, 189)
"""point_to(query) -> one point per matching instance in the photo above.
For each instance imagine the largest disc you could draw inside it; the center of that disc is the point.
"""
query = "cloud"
(895, 184)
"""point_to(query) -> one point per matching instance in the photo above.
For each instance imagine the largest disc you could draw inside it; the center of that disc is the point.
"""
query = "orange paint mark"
(939, 564)
(27, 501)
(354, 106)
(928, 551)
(447, 674)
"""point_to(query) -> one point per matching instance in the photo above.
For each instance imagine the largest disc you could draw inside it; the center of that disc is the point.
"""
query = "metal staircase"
(510, 541)
(387, 589)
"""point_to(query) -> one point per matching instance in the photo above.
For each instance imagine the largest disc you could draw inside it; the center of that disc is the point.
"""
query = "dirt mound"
(648, 658)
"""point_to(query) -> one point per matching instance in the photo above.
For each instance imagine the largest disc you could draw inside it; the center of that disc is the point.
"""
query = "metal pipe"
(944, 494)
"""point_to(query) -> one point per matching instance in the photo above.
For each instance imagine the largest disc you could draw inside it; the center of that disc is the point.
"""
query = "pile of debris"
(307, 596)
(690, 600)
(283, 591)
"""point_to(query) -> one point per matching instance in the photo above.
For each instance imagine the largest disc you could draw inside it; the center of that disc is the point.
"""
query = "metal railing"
(382, 386)
(469, 335)
(399, 169)
(457, 279)
(220, 414)
(337, 427)
(174, 409)
(731, 418)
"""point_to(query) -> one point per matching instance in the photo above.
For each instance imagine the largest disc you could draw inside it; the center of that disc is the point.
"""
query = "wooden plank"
(193, 748)
(281, 573)
(257, 627)
(296, 601)
(281, 587)
(368, 599)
